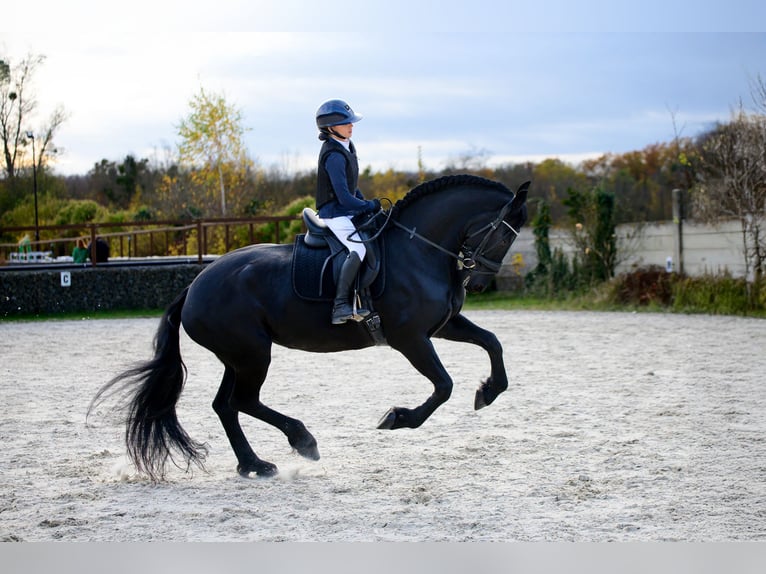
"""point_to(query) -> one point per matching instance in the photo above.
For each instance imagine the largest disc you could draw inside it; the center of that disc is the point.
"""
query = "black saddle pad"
(313, 272)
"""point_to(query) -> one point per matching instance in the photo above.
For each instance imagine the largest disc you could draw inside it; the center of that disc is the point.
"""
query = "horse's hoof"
(310, 452)
(262, 469)
(486, 395)
(479, 402)
(388, 420)
(305, 444)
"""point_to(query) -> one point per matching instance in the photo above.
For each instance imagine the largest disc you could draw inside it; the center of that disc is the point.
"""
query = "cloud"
(445, 90)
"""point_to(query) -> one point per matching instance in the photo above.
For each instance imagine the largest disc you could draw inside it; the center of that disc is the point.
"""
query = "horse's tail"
(152, 391)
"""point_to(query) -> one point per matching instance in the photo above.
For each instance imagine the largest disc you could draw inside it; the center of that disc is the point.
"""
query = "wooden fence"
(146, 239)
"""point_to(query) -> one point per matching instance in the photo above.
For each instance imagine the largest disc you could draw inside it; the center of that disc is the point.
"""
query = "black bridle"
(478, 255)
(469, 256)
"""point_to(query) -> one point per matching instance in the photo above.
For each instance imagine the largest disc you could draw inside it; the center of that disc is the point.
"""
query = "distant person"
(80, 252)
(100, 251)
(25, 247)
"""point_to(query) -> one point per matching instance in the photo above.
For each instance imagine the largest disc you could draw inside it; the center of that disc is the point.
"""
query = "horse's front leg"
(422, 355)
(462, 330)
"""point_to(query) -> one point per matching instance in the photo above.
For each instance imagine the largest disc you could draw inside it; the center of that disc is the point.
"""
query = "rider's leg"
(343, 227)
(342, 310)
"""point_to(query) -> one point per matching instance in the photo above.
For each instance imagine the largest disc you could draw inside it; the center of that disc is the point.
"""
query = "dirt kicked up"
(624, 427)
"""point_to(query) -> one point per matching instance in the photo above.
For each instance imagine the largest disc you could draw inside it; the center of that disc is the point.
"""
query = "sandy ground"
(616, 427)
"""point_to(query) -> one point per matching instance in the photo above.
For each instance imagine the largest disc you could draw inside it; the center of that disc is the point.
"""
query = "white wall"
(707, 249)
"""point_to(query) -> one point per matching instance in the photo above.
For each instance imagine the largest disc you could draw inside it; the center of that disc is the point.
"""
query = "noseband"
(469, 256)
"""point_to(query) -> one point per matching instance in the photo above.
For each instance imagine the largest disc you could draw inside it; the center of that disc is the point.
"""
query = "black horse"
(446, 237)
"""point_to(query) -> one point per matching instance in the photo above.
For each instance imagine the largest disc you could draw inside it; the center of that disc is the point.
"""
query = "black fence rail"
(145, 239)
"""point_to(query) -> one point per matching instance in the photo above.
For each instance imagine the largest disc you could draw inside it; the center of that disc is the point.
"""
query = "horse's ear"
(521, 195)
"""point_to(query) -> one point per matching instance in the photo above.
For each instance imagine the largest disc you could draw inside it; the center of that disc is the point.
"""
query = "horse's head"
(485, 248)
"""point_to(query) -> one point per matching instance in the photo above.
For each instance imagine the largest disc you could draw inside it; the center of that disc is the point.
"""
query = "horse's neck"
(443, 217)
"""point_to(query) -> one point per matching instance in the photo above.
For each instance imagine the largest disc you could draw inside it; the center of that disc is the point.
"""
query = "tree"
(642, 180)
(472, 160)
(592, 214)
(553, 275)
(389, 184)
(732, 182)
(552, 178)
(17, 109)
(212, 146)
(541, 226)
(121, 185)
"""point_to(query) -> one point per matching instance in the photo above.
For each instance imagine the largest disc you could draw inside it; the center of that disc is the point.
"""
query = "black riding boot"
(342, 309)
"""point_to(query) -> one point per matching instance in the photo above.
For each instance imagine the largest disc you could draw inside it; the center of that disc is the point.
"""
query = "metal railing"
(146, 238)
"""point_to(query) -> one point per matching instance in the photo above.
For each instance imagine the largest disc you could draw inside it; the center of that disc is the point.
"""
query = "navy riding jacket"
(337, 179)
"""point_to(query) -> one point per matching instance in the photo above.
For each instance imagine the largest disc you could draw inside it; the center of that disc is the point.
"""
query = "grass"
(705, 295)
(507, 301)
(89, 315)
(595, 300)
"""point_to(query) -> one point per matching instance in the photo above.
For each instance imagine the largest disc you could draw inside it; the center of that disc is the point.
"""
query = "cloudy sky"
(506, 81)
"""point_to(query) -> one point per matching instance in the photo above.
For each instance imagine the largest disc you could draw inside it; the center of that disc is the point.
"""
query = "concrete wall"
(707, 249)
(87, 289)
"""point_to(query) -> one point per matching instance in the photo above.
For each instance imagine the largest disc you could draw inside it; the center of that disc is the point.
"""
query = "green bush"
(265, 233)
(76, 211)
(716, 294)
(721, 294)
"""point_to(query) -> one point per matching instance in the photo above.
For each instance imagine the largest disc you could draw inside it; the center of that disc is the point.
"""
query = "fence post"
(678, 231)
(199, 241)
(92, 246)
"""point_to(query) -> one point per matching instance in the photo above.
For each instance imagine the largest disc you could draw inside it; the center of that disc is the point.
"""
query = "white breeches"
(342, 227)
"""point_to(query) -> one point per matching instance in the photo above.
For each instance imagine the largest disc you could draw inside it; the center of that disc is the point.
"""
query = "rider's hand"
(374, 205)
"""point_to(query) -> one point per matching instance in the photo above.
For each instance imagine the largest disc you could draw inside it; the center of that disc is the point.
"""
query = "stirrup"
(342, 313)
(359, 312)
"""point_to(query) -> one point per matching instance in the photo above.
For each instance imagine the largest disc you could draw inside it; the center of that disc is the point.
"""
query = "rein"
(466, 257)
(412, 233)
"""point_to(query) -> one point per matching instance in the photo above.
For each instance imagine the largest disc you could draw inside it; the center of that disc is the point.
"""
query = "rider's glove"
(373, 205)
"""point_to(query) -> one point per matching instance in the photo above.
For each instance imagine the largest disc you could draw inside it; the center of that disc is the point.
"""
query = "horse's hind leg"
(247, 460)
(240, 392)
(296, 432)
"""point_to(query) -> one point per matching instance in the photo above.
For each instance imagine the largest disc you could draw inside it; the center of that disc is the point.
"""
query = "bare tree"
(758, 91)
(47, 133)
(732, 182)
(17, 109)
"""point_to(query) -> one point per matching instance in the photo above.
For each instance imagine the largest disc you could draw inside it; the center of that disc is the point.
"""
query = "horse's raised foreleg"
(422, 355)
(462, 330)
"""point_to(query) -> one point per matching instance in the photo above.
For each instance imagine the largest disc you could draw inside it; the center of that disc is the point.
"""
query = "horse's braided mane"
(445, 182)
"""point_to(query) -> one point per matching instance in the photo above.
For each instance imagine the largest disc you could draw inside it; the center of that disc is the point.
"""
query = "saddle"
(318, 257)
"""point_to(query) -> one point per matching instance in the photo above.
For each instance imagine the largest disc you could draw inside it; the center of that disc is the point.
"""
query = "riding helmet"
(335, 113)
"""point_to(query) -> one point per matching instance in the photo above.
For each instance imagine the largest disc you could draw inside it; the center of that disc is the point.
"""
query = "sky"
(505, 82)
